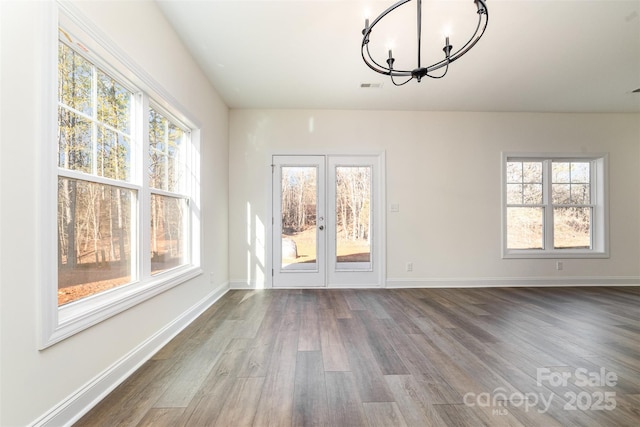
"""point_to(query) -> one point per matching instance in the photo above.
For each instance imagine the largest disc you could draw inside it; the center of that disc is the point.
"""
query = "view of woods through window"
(299, 222)
(569, 202)
(353, 210)
(100, 187)
(166, 175)
(299, 212)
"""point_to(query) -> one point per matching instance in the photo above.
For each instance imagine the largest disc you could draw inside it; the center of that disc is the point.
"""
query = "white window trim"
(58, 323)
(600, 202)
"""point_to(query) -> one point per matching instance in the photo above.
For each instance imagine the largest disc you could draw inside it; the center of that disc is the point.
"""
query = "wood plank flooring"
(404, 357)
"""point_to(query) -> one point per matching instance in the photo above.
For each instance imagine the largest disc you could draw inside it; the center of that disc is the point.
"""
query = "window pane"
(175, 167)
(524, 183)
(94, 238)
(561, 172)
(561, 194)
(299, 204)
(114, 103)
(113, 154)
(580, 172)
(157, 131)
(525, 228)
(166, 144)
(514, 194)
(580, 194)
(157, 149)
(75, 76)
(572, 228)
(75, 145)
(532, 193)
(532, 172)
(514, 172)
(157, 169)
(571, 182)
(167, 232)
(353, 213)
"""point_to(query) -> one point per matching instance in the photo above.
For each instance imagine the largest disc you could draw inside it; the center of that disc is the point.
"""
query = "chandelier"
(419, 72)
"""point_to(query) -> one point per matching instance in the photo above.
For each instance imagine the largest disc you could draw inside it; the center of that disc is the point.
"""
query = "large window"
(168, 198)
(554, 206)
(127, 189)
(97, 196)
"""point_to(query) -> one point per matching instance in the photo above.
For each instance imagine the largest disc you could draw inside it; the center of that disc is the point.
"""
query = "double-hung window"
(98, 192)
(554, 206)
(127, 223)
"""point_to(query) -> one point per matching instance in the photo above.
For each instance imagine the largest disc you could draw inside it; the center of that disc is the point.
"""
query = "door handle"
(321, 227)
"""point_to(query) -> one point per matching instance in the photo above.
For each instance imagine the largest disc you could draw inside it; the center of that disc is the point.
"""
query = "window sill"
(82, 314)
(556, 254)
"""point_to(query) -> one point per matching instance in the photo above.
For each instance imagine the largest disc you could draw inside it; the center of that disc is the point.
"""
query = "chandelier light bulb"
(447, 31)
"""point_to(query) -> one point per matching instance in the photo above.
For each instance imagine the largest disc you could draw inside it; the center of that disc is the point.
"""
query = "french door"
(326, 221)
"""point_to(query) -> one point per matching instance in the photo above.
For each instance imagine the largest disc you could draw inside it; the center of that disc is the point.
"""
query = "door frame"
(378, 212)
(302, 274)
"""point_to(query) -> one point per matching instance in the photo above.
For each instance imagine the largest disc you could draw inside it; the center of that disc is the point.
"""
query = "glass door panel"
(299, 200)
(354, 197)
(298, 228)
(353, 217)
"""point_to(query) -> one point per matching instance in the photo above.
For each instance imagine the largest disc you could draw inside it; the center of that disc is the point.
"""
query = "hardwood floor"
(408, 357)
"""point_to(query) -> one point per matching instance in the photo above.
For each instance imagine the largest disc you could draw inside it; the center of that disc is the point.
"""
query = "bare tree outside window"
(571, 196)
(525, 214)
(299, 204)
(166, 173)
(94, 219)
(353, 213)
(549, 204)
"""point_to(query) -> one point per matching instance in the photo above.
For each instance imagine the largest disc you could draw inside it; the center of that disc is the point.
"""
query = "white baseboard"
(239, 285)
(497, 282)
(481, 282)
(79, 403)
(243, 285)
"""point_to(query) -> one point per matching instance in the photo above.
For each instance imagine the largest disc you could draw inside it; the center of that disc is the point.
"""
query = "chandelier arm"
(441, 76)
(391, 8)
(371, 63)
(473, 40)
(379, 66)
(465, 48)
(401, 84)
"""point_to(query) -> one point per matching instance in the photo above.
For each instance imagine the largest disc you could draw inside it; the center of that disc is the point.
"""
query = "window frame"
(599, 233)
(58, 323)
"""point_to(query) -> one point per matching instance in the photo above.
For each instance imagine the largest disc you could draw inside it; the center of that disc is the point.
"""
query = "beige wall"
(444, 170)
(33, 382)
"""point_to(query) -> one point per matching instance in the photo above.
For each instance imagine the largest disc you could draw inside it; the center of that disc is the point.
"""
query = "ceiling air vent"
(371, 85)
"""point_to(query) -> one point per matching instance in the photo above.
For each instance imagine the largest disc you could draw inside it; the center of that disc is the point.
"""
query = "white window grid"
(598, 246)
(59, 323)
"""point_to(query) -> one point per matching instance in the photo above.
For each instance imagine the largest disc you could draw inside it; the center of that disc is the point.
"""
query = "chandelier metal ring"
(419, 72)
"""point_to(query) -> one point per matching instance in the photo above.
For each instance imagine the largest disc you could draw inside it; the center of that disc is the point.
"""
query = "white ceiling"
(546, 56)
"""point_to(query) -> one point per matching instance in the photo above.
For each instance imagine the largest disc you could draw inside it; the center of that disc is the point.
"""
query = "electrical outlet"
(409, 266)
(559, 265)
